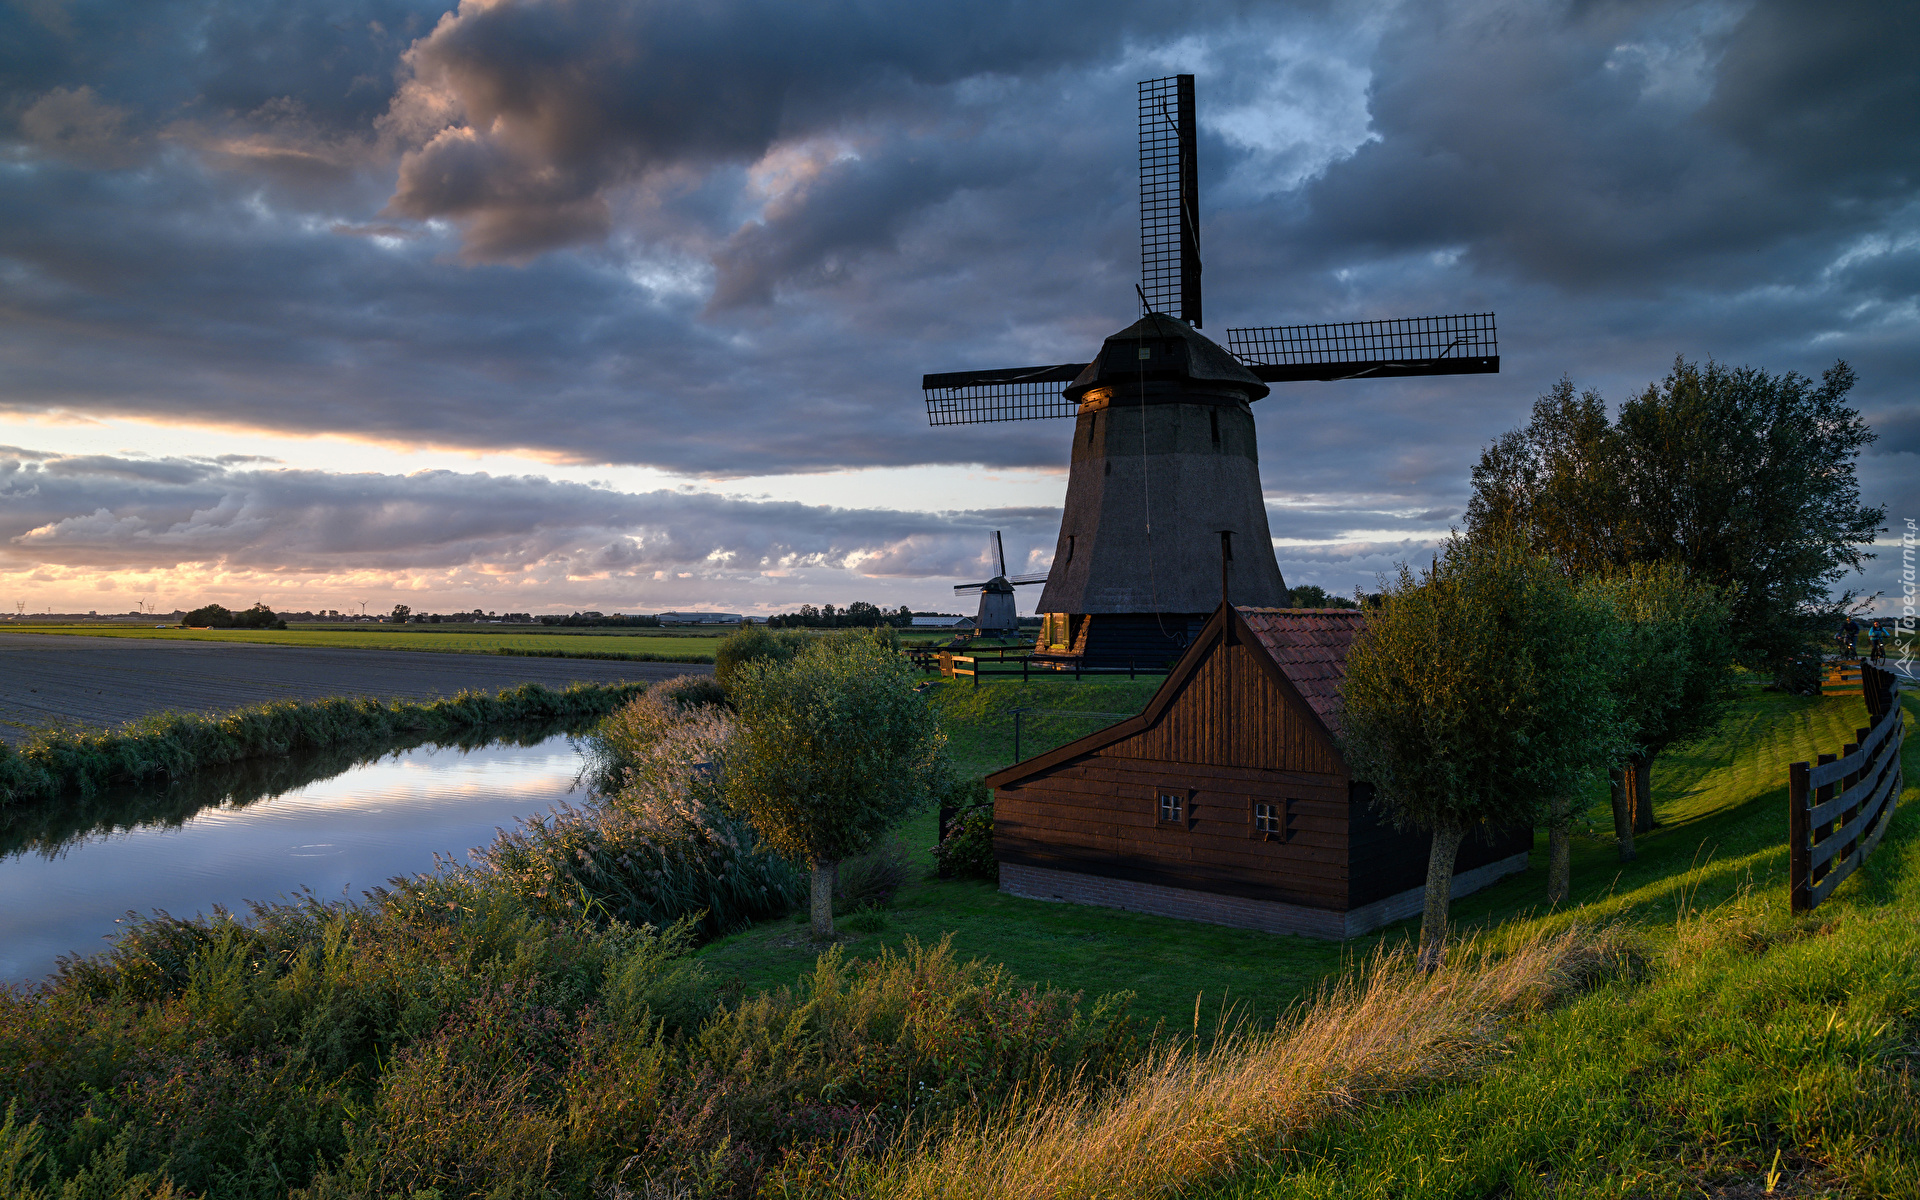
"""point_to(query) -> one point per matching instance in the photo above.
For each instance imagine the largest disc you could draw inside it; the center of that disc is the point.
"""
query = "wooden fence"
(1838, 808)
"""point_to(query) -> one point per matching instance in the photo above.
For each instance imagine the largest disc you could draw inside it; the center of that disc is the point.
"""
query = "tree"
(1475, 696)
(831, 749)
(1748, 479)
(1556, 485)
(211, 616)
(257, 617)
(1744, 478)
(399, 615)
(1673, 682)
(1312, 595)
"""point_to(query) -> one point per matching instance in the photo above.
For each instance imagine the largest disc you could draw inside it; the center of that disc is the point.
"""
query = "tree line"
(1611, 575)
(858, 615)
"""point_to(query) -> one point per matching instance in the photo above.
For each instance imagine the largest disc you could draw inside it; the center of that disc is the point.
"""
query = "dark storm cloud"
(727, 238)
(1633, 146)
(553, 103)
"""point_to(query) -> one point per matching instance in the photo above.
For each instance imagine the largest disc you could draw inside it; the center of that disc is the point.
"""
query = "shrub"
(967, 850)
(691, 691)
(755, 643)
(871, 879)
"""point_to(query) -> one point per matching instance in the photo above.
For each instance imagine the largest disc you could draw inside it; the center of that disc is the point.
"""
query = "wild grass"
(1182, 1114)
(76, 761)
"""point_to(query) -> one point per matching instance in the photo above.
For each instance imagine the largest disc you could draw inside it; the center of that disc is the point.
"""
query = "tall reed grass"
(1181, 1115)
(656, 841)
(78, 761)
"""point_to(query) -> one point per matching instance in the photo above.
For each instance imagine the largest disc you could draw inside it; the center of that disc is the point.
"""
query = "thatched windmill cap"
(1179, 363)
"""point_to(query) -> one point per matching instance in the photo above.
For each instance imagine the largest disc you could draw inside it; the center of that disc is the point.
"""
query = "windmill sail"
(1005, 394)
(1169, 199)
(1459, 345)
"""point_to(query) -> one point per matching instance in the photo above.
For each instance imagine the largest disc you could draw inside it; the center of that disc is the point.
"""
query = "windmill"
(1164, 471)
(998, 613)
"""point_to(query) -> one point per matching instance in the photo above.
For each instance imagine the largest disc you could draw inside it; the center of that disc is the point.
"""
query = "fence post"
(1016, 735)
(1799, 841)
(1821, 795)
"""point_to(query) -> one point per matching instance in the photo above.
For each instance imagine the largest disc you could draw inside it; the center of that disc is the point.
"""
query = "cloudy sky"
(623, 304)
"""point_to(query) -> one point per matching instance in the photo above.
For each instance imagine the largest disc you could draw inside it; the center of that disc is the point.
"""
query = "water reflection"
(335, 822)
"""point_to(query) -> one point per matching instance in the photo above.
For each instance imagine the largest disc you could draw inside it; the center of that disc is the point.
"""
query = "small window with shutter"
(1266, 818)
(1173, 807)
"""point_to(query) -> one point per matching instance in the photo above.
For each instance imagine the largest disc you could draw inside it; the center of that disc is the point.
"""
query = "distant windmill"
(998, 613)
(1163, 459)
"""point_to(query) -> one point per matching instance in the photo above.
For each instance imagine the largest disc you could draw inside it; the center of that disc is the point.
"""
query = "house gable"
(1227, 702)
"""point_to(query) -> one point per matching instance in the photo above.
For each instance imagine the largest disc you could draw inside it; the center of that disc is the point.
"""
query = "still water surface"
(336, 836)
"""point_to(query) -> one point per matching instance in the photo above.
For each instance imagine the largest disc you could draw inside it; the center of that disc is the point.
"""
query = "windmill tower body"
(998, 613)
(1164, 461)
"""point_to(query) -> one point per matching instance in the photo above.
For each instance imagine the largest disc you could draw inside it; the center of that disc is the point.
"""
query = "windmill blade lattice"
(1466, 344)
(1169, 199)
(1005, 394)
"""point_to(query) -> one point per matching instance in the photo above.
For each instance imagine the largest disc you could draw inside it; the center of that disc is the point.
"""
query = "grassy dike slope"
(1762, 1054)
(1747, 1052)
(1722, 807)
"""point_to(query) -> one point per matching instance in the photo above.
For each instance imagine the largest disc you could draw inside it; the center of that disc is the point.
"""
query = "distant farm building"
(700, 618)
(1227, 800)
(943, 621)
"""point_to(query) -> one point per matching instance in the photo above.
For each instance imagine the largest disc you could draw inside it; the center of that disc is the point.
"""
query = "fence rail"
(1838, 808)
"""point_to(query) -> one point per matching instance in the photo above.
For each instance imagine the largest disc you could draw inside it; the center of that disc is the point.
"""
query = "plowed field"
(105, 681)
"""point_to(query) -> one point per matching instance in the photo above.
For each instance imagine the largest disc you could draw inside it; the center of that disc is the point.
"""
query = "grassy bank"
(70, 762)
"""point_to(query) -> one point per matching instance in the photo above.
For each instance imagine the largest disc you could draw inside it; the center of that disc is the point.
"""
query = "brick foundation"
(1268, 916)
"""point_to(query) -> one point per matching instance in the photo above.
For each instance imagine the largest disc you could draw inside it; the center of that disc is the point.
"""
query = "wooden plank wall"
(1384, 861)
(1100, 815)
(1234, 714)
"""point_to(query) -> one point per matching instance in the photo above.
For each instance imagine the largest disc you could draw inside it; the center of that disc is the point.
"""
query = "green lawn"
(443, 639)
(1721, 807)
(1762, 1055)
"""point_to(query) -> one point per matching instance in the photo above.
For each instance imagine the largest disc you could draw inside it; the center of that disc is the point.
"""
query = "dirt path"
(105, 681)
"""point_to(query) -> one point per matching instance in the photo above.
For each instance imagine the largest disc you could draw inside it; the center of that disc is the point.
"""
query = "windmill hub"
(1163, 360)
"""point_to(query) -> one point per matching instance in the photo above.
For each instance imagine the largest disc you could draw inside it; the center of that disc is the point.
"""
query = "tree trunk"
(1642, 794)
(1559, 849)
(1433, 922)
(1622, 812)
(823, 877)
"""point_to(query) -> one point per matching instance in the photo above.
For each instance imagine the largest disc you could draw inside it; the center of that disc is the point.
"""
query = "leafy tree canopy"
(1478, 693)
(1312, 595)
(1744, 477)
(832, 747)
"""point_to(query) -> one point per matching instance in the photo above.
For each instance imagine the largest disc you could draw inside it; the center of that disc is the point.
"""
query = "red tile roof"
(1310, 644)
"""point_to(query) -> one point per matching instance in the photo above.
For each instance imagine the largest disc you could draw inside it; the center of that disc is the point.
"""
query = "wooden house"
(1227, 799)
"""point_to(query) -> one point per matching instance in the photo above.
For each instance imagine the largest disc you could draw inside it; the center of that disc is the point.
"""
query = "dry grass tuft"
(1181, 1117)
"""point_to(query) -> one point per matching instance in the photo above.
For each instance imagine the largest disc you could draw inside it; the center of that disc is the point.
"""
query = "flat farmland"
(109, 680)
(445, 640)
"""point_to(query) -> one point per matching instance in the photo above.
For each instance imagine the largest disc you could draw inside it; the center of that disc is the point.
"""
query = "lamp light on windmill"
(1095, 398)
